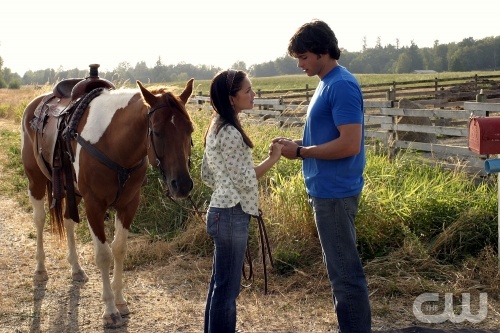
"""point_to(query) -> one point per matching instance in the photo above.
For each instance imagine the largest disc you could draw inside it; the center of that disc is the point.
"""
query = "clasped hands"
(287, 147)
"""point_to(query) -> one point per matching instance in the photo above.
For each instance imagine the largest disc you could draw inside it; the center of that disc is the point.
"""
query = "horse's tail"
(56, 213)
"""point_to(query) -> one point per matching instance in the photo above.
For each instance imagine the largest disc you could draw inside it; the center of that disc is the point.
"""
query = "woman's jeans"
(335, 222)
(228, 227)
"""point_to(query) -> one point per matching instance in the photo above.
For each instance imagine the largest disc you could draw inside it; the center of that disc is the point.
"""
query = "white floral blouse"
(228, 168)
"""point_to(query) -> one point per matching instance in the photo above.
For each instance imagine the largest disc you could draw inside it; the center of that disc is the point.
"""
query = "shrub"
(15, 84)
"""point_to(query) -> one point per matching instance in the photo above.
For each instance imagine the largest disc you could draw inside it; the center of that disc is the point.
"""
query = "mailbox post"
(484, 139)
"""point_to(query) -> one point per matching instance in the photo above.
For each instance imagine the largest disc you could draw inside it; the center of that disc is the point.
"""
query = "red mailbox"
(484, 135)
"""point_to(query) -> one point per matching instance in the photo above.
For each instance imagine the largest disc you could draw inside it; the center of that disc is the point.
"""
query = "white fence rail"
(383, 125)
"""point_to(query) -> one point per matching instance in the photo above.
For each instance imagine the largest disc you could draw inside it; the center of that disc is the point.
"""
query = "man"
(332, 150)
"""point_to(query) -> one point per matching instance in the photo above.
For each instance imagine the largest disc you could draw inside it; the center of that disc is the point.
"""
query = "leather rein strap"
(123, 173)
(71, 133)
(264, 245)
(264, 242)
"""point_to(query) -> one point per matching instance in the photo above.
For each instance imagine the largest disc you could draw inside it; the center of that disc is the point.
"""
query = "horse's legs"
(119, 249)
(103, 258)
(39, 220)
(77, 272)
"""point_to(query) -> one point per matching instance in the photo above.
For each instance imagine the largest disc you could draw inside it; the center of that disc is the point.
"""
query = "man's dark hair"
(315, 37)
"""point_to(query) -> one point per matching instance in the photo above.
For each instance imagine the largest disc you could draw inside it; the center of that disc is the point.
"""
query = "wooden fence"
(435, 92)
(443, 134)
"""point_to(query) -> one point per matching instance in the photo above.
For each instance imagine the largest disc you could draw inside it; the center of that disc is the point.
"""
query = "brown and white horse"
(127, 127)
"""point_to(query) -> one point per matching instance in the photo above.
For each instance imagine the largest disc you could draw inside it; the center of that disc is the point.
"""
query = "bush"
(15, 84)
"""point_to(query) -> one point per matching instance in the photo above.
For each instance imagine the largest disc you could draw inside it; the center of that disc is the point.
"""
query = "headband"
(231, 73)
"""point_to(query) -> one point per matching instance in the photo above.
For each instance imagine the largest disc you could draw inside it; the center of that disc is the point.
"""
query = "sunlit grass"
(405, 202)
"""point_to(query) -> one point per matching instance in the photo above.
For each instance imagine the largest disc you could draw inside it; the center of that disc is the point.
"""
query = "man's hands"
(289, 149)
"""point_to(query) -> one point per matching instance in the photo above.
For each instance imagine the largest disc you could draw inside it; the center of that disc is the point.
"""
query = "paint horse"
(100, 154)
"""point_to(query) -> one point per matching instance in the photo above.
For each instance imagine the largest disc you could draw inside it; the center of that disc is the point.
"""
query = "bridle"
(152, 143)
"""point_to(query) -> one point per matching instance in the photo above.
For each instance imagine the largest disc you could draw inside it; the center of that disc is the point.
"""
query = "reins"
(264, 245)
(264, 241)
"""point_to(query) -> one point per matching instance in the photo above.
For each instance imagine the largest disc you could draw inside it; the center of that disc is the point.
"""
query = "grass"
(299, 81)
(414, 218)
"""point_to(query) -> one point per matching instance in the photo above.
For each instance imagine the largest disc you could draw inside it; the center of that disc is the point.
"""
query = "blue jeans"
(335, 222)
(228, 227)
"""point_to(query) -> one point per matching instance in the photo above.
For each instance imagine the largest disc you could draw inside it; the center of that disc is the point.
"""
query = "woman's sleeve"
(237, 159)
(207, 175)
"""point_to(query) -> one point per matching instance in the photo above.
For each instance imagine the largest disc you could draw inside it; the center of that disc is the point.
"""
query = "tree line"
(464, 56)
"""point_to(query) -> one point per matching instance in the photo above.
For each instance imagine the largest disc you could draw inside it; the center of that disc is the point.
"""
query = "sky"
(36, 35)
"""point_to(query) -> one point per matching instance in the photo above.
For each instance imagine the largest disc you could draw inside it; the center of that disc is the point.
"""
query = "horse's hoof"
(40, 276)
(123, 308)
(80, 276)
(113, 320)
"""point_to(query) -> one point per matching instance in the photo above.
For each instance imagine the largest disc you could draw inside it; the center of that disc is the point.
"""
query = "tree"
(142, 72)
(287, 65)
(403, 65)
(3, 83)
(123, 72)
(240, 65)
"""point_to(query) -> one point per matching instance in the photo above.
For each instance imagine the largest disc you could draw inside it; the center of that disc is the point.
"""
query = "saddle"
(52, 117)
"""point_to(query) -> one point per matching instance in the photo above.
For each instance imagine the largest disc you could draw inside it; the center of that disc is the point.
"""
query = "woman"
(228, 168)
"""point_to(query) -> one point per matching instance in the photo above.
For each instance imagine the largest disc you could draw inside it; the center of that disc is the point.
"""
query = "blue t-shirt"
(338, 100)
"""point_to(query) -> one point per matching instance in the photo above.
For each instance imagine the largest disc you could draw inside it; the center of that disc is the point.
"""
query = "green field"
(292, 82)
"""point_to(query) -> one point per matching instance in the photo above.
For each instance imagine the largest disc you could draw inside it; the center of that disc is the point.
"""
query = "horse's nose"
(182, 187)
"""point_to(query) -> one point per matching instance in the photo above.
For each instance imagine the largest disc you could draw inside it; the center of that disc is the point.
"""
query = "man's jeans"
(228, 227)
(335, 222)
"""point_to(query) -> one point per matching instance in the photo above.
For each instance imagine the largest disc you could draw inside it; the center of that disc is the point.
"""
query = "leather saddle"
(52, 116)
(55, 110)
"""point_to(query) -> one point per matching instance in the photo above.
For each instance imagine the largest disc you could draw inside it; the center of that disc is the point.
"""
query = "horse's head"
(170, 130)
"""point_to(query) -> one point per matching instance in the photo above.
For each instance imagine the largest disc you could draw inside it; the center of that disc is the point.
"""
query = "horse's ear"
(146, 94)
(187, 91)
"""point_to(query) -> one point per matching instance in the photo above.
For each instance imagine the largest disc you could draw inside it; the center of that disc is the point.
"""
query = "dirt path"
(168, 297)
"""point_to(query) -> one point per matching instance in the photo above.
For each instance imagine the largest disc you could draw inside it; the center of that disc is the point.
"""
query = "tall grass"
(446, 214)
(405, 202)
(408, 200)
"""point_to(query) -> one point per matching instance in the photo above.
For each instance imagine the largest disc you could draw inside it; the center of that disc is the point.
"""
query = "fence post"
(436, 88)
(259, 93)
(390, 94)
(307, 92)
(200, 93)
(480, 97)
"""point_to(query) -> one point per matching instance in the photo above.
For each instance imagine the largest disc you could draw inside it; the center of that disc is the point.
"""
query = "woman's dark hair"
(315, 37)
(224, 84)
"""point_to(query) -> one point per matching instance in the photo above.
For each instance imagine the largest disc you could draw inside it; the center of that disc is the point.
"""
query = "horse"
(115, 136)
